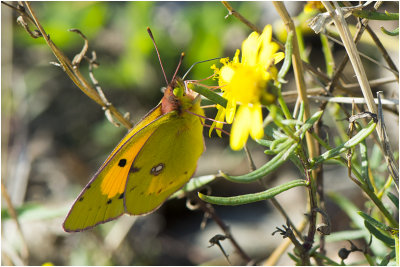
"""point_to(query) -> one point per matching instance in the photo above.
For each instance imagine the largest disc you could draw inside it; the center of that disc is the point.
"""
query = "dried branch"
(73, 72)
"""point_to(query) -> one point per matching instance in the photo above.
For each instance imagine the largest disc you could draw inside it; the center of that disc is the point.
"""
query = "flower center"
(247, 84)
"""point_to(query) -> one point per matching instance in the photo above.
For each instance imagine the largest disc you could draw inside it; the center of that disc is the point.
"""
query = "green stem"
(396, 240)
(329, 62)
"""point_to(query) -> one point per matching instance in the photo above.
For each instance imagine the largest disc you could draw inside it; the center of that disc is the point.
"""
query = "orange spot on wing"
(115, 176)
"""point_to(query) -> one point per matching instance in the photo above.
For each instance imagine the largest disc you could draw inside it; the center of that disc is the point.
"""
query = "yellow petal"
(240, 128)
(230, 110)
(267, 53)
(218, 121)
(236, 57)
(266, 34)
(257, 130)
(250, 49)
(279, 56)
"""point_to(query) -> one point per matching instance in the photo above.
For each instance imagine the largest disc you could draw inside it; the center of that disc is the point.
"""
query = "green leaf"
(355, 140)
(346, 235)
(29, 212)
(374, 15)
(388, 257)
(295, 259)
(19, 210)
(308, 124)
(365, 164)
(269, 167)
(327, 260)
(214, 97)
(264, 142)
(288, 147)
(374, 222)
(194, 184)
(394, 199)
(287, 62)
(249, 198)
(378, 234)
(395, 32)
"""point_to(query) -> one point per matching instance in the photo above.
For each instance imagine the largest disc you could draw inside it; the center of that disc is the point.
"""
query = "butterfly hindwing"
(165, 163)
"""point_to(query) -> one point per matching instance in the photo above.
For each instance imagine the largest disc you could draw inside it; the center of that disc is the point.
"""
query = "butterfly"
(154, 160)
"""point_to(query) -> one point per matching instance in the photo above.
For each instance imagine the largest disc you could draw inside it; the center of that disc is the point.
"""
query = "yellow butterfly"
(154, 160)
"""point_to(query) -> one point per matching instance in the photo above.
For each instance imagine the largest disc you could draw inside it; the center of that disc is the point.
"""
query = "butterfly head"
(177, 97)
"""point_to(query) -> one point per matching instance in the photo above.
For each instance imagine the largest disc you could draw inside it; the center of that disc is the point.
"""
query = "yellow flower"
(244, 83)
(314, 6)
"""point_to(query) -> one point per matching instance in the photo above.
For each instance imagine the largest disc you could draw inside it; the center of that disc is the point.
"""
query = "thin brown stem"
(208, 209)
(286, 216)
(278, 251)
(240, 17)
(13, 214)
(74, 73)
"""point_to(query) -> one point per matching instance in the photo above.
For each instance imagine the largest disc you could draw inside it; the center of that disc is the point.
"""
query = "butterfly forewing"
(102, 199)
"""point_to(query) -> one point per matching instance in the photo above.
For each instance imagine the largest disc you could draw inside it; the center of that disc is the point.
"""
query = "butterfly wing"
(102, 199)
(165, 163)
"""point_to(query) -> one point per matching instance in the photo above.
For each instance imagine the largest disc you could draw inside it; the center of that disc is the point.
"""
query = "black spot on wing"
(122, 162)
(109, 201)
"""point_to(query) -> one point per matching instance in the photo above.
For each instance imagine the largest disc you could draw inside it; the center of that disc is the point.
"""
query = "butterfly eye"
(178, 91)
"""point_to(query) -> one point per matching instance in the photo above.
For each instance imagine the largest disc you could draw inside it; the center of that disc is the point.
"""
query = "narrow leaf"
(395, 32)
(374, 222)
(374, 15)
(264, 142)
(346, 235)
(269, 167)
(212, 96)
(308, 124)
(194, 184)
(365, 164)
(249, 198)
(288, 58)
(378, 234)
(394, 199)
(295, 259)
(355, 140)
(388, 257)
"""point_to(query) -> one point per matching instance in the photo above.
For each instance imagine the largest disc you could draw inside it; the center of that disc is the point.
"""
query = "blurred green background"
(54, 137)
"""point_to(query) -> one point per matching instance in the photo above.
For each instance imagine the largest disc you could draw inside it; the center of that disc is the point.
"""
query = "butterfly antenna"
(179, 64)
(158, 54)
(194, 64)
